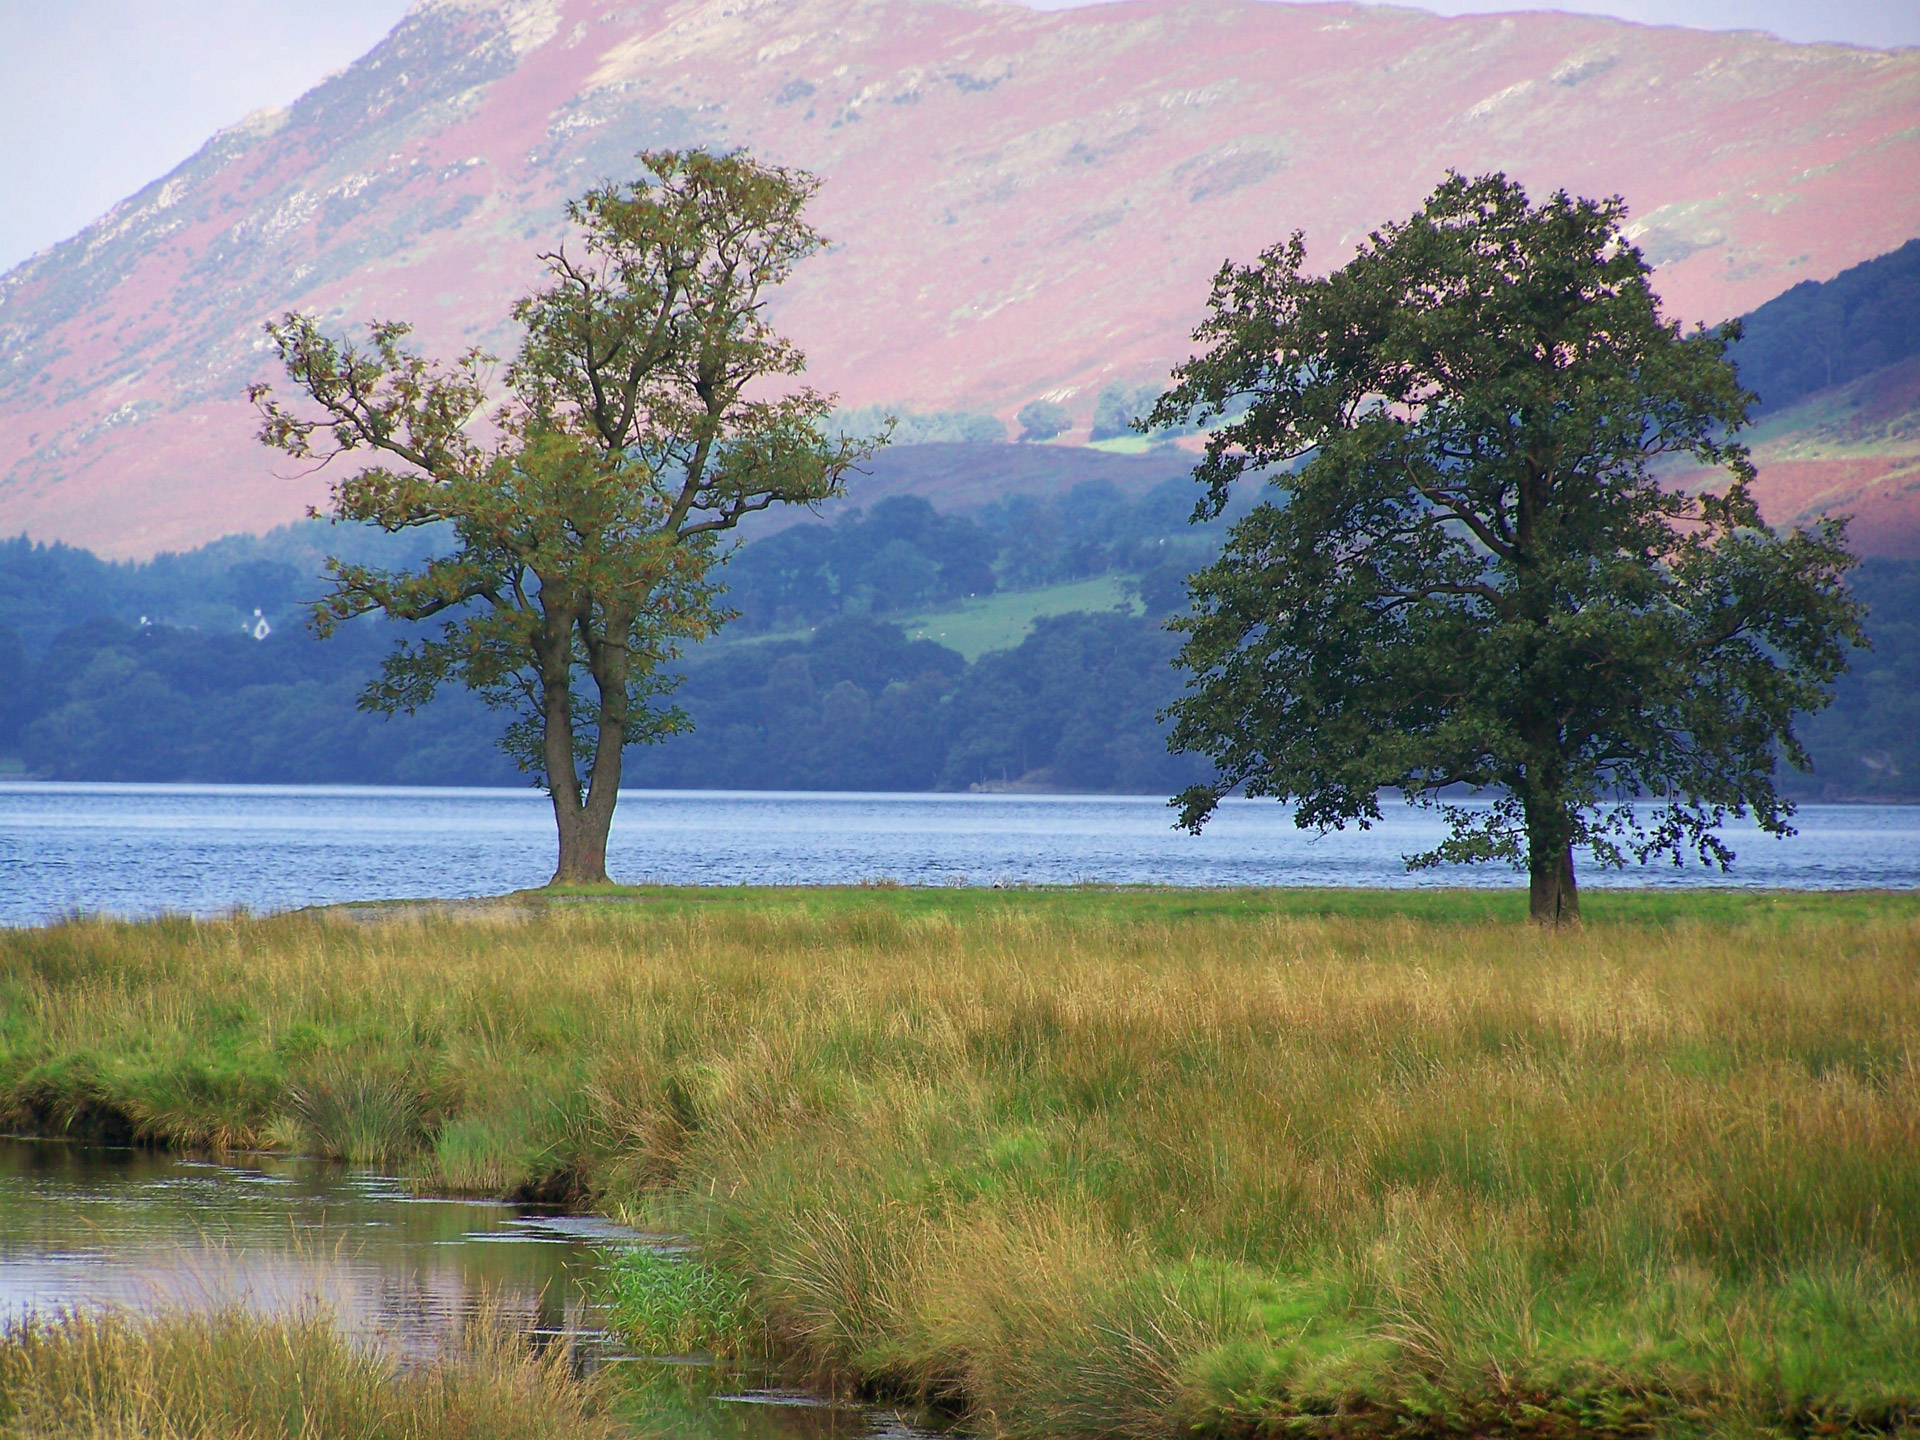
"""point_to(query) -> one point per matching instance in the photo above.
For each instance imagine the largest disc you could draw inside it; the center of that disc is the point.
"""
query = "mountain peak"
(1020, 202)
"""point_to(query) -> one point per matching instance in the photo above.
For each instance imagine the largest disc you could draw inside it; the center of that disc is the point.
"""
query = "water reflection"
(84, 1225)
(677, 1404)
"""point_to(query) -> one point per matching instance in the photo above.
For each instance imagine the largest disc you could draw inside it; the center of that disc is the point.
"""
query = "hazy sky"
(97, 97)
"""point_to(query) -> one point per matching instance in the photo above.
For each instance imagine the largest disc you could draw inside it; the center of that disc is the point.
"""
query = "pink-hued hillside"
(1021, 203)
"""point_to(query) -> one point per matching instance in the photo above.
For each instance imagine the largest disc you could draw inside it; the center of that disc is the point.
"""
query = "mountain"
(1023, 204)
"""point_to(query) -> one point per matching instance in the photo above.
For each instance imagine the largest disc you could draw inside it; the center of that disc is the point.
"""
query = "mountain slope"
(1851, 449)
(1022, 203)
(1817, 335)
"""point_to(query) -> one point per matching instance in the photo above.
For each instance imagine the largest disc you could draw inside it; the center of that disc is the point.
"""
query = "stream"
(85, 1225)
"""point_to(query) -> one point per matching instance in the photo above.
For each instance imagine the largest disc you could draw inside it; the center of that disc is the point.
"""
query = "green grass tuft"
(353, 1108)
(678, 1304)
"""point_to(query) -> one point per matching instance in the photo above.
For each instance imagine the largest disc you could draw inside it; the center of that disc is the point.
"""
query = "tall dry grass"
(1123, 1173)
(236, 1375)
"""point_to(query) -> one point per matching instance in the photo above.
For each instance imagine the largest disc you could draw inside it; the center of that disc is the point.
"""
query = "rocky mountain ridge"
(1023, 204)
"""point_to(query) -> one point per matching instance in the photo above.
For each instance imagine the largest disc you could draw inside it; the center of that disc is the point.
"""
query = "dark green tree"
(1042, 420)
(1473, 574)
(641, 418)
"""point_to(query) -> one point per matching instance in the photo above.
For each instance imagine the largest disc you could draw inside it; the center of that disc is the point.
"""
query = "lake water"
(139, 850)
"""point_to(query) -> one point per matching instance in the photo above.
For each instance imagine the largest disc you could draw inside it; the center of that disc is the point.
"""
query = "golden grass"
(1110, 1171)
(235, 1375)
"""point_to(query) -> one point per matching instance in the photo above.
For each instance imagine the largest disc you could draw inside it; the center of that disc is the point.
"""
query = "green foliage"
(1475, 579)
(1042, 420)
(1076, 702)
(638, 426)
(1820, 334)
(902, 556)
(106, 701)
(47, 589)
(1121, 410)
(109, 701)
(1117, 407)
(856, 706)
(678, 1304)
(887, 560)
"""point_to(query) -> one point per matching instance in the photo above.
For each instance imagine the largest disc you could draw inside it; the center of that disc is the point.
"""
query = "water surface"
(138, 850)
(92, 1225)
(83, 1226)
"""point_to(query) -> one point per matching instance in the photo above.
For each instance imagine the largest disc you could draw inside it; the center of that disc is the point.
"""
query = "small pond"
(84, 1225)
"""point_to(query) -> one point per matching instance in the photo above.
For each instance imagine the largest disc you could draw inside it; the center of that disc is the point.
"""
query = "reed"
(233, 1373)
(1099, 1163)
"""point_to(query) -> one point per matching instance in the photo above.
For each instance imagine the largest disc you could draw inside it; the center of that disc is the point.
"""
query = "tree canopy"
(642, 417)
(1470, 574)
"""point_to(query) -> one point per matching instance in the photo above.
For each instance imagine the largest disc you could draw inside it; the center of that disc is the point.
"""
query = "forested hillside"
(1837, 369)
(1816, 335)
(818, 685)
(154, 672)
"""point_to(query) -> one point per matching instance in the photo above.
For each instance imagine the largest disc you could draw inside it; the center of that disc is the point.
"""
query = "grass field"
(1113, 1163)
(1001, 622)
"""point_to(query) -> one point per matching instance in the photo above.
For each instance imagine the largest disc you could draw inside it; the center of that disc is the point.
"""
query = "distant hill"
(857, 662)
(960, 477)
(1023, 204)
(198, 666)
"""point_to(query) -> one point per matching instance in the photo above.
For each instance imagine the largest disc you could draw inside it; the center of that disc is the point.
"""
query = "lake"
(140, 850)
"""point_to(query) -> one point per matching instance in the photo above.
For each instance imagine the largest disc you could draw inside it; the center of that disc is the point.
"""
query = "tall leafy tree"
(643, 416)
(1471, 573)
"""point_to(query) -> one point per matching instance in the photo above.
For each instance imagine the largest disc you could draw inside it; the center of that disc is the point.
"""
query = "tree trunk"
(1552, 897)
(582, 831)
(583, 853)
(583, 844)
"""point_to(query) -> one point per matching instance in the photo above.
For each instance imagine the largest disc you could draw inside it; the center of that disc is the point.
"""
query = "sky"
(98, 97)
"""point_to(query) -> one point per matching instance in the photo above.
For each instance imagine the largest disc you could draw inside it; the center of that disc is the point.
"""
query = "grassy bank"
(1113, 1163)
(234, 1374)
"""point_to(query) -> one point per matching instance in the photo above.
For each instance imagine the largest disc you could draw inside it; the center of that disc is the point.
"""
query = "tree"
(1042, 420)
(638, 425)
(1472, 575)
(1117, 406)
